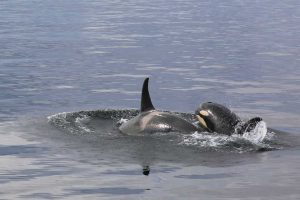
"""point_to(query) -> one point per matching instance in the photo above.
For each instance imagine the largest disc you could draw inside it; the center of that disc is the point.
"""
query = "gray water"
(71, 56)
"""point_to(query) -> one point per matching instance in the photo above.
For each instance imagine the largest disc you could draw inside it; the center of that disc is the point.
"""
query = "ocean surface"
(71, 71)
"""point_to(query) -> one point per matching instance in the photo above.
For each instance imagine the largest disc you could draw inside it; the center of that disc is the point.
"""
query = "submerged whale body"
(151, 120)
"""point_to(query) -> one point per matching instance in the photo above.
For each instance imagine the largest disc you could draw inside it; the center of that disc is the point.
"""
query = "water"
(68, 56)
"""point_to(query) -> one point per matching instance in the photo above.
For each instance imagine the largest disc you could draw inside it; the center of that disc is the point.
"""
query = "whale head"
(214, 117)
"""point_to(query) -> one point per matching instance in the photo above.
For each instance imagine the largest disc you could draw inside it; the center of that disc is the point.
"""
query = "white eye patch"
(204, 113)
(201, 121)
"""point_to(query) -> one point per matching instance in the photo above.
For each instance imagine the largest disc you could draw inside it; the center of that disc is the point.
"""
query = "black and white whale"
(151, 120)
(211, 117)
(214, 117)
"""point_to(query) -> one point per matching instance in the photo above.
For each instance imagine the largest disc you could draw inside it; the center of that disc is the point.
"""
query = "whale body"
(151, 120)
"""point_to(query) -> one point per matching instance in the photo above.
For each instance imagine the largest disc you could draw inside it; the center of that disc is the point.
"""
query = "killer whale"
(211, 117)
(214, 117)
(151, 120)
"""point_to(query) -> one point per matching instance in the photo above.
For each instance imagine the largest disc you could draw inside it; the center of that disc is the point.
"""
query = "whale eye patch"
(204, 113)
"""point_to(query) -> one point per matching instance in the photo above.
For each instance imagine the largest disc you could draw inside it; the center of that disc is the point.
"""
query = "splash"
(254, 140)
(258, 134)
(73, 123)
(81, 122)
(102, 122)
(121, 121)
(204, 139)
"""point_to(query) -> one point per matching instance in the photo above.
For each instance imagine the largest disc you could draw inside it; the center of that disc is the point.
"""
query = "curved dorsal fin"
(146, 103)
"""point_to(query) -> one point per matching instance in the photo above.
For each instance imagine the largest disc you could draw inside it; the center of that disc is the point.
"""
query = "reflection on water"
(146, 170)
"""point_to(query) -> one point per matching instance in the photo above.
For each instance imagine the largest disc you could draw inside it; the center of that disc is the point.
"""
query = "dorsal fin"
(146, 103)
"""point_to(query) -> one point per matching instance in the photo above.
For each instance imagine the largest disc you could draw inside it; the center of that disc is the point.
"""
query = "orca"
(214, 117)
(151, 120)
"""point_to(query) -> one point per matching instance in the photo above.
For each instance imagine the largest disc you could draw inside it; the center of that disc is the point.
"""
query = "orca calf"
(214, 117)
(152, 120)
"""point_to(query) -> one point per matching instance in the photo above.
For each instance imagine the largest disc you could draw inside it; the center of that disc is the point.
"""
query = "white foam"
(61, 120)
(122, 121)
(80, 121)
(58, 115)
(258, 134)
(205, 140)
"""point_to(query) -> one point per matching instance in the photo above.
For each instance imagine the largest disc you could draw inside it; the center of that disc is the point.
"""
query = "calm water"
(68, 56)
